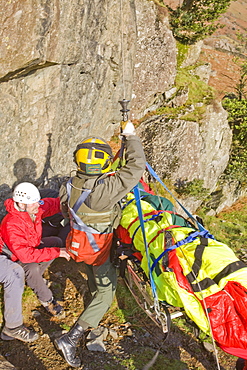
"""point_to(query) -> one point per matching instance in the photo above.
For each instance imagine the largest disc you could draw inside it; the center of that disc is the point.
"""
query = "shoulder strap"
(85, 193)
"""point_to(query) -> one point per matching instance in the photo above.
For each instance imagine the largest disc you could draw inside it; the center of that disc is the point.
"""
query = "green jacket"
(101, 207)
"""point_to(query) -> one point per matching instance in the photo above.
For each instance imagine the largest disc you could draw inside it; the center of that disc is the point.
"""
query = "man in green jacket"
(91, 201)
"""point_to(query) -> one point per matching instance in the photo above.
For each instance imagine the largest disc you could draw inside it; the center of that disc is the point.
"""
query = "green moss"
(195, 116)
(159, 189)
(182, 51)
(199, 91)
(171, 113)
(229, 227)
(193, 188)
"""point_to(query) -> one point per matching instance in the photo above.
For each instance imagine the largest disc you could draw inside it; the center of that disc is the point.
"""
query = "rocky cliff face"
(184, 151)
(64, 67)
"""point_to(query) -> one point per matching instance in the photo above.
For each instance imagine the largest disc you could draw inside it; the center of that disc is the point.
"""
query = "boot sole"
(7, 337)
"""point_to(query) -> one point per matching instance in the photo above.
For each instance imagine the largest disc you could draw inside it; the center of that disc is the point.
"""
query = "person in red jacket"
(12, 278)
(21, 231)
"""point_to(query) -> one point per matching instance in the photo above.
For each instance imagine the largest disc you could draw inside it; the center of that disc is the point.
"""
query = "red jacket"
(1, 244)
(23, 236)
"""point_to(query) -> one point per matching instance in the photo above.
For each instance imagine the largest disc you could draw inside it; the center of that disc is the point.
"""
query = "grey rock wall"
(64, 65)
(185, 150)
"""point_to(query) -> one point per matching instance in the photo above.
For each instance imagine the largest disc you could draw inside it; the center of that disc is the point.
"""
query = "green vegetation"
(237, 166)
(236, 106)
(199, 91)
(182, 51)
(141, 357)
(229, 227)
(170, 112)
(239, 87)
(195, 116)
(196, 19)
(159, 189)
(243, 40)
(199, 96)
(144, 355)
(192, 188)
(124, 307)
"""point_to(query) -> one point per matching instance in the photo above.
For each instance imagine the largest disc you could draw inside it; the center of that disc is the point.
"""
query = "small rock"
(58, 274)
(96, 345)
(105, 333)
(113, 334)
(97, 333)
(45, 336)
(208, 346)
(36, 313)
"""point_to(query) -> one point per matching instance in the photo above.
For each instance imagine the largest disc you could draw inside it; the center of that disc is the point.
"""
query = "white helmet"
(26, 193)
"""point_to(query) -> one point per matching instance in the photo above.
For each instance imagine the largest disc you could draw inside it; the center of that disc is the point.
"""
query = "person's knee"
(59, 242)
(31, 270)
(52, 241)
(105, 296)
(14, 277)
(18, 270)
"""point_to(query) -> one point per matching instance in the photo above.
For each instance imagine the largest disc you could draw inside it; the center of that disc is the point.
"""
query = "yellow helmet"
(93, 156)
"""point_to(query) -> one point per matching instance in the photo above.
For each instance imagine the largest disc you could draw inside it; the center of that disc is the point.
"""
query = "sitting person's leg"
(51, 241)
(34, 278)
(12, 277)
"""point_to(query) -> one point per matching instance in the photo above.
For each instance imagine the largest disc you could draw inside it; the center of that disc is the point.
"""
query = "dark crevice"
(26, 71)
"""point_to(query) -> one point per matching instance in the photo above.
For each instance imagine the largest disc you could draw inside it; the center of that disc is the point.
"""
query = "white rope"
(205, 309)
(198, 283)
(122, 47)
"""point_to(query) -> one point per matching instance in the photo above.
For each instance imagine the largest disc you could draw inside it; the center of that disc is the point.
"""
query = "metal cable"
(122, 47)
(198, 283)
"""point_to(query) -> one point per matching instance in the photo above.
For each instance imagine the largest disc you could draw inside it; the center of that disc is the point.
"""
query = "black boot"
(67, 344)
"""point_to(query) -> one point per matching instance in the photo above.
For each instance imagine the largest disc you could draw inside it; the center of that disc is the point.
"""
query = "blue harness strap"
(139, 209)
(154, 174)
(146, 220)
(202, 231)
(79, 224)
(189, 239)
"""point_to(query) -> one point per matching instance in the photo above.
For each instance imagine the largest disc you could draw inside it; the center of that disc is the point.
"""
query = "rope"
(155, 177)
(122, 46)
(137, 196)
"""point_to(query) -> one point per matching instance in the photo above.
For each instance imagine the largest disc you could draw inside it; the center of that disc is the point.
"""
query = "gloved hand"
(127, 128)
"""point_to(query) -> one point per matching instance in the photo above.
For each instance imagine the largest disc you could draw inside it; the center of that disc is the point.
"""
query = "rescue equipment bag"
(86, 243)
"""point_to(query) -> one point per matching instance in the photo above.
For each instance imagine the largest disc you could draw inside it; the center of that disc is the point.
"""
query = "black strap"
(229, 269)
(207, 282)
(6, 251)
(202, 285)
(97, 146)
(168, 244)
(198, 260)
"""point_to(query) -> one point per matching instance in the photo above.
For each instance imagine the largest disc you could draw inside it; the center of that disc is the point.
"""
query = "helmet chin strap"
(107, 162)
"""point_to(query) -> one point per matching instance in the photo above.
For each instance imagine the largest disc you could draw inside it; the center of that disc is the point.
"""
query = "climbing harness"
(86, 243)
